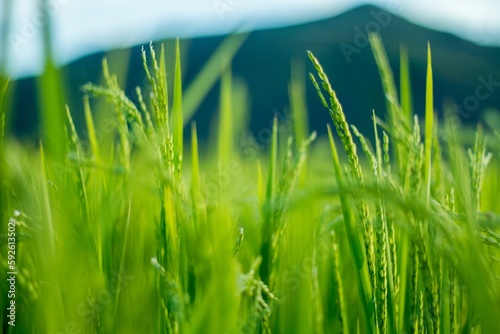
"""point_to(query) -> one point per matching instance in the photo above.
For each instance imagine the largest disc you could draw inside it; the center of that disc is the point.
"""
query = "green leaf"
(213, 69)
(177, 112)
(226, 126)
(89, 120)
(429, 122)
(405, 85)
(353, 238)
(4, 84)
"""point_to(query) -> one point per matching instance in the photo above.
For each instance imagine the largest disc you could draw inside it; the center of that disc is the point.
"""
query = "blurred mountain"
(465, 73)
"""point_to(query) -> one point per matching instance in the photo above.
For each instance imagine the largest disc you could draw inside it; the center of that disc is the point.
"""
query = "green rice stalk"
(355, 244)
(125, 147)
(343, 314)
(4, 199)
(168, 172)
(405, 85)
(3, 90)
(445, 287)
(412, 185)
(457, 162)
(453, 302)
(268, 209)
(429, 281)
(344, 133)
(46, 207)
(319, 318)
(273, 161)
(207, 77)
(195, 176)
(158, 82)
(150, 128)
(414, 292)
(393, 269)
(478, 161)
(226, 135)
(170, 250)
(127, 114)
(387, 160)
(429, 123)
(401, 285)
(420, 319)
(52, 94)
(387, 77)
(261, 191)
(438, 163)
(161, 91)
(385, 289)
(381, 165)
(46, 244)
(160, 69)
(177, 113)
(123, 256)
(297, 96)
(298, 108)
(239, 240)
(94, 145)
(292, 168)
(399, 123)
(75, 147)
(340, 123)
(394, 277)
(118, 98)
(123, 105)
(413, 174)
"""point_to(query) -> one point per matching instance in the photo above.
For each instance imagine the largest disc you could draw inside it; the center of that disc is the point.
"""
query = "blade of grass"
(397, 120)
(405, 85)
(429, 120)
(52, 96)
(4, 84)
(273, 158)
(297, 97)
(4, 199)
(195, 175)
(119, 62)
(49, 228)
(356, 174)
(207, 77)
(226, 136)
(177, 111)
(122, 261)
(48, 240)
(298, 105)
(89, 120)
(51, 93)
(353, 240)
(343, 314)
(268, 208)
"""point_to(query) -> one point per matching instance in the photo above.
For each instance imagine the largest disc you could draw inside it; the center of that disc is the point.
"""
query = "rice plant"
(144, 231)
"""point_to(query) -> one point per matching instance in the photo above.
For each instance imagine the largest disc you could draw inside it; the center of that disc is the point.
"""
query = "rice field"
(130, 224)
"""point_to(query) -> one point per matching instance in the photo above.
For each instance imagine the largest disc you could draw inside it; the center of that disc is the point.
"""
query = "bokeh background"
(464, 36)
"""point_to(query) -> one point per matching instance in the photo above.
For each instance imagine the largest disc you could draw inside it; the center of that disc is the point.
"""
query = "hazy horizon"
(81, 28)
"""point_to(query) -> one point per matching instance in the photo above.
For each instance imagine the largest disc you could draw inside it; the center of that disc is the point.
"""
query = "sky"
(85, 26)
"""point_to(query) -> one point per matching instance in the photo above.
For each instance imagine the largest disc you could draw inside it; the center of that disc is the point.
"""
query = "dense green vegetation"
(127, 227)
